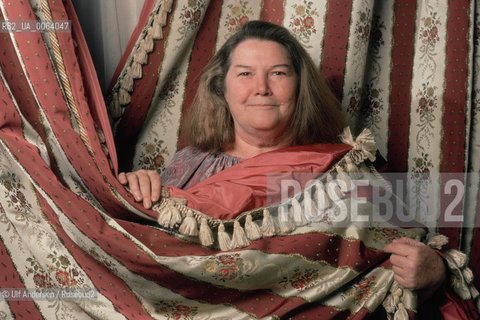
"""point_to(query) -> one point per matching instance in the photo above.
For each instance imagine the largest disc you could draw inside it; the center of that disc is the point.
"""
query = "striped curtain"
(405, 69)
(74, 243)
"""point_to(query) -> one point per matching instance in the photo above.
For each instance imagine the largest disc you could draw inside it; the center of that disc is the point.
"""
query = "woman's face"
(261, 89)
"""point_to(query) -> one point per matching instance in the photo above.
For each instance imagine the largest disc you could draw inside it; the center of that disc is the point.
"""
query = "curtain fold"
(407, 70)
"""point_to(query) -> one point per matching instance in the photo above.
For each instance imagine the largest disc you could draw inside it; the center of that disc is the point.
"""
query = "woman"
(308, 113)
(262, 92)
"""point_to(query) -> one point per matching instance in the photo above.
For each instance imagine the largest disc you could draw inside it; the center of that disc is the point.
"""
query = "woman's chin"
(271, 124)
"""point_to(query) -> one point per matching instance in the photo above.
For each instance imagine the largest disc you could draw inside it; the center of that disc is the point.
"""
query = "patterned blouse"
(189, 166)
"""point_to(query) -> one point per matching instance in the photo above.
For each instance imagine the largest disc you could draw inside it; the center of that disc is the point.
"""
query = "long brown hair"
(317, 117)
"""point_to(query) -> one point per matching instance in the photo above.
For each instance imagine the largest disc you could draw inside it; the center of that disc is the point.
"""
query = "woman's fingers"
(156, 185)
(416, 265)
(133, 182)
(399, 260)
(145, 185)
(399, 276)
(145, 188)
(122, 177)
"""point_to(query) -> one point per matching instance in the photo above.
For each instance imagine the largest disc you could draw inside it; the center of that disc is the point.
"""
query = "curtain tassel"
(284, 222)
(296, 212)
(206, 235)
(165, 219)
(157, 29)
(189, 225)
(322, 198)
(149, 44)
(337, 192)
(127, 83)
(162, 15)
(136, 70)
(350, 167)
(268, 225)
(224, 241)
(141, 55)
(401, 313)
(458, 257)
(239, 238)
(252, 229)
(124, 97)
(347, 184)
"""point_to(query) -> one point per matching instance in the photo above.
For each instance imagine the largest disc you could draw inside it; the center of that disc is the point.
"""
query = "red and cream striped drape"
(405, 69)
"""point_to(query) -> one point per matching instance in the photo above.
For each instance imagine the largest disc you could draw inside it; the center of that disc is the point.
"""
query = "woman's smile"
(263, 105)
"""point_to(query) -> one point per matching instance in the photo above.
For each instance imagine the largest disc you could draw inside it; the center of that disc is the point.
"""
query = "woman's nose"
(262, 86)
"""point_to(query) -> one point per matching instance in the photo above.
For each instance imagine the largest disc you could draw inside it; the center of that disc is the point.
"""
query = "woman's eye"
(244, 74)
(279, 73)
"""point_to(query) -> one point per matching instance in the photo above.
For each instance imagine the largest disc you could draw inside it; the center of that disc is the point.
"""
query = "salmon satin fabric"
(253, 182)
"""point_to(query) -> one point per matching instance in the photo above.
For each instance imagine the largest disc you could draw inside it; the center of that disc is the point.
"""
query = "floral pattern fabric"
(66, 221)
(394, 66)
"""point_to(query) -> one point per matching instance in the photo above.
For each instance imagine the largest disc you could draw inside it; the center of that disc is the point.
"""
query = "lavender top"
(189, 166)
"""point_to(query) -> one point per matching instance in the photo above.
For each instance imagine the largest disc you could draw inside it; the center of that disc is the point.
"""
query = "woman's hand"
(416, 266)
(145, 185)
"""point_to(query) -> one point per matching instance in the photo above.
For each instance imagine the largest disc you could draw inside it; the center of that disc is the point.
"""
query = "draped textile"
(66, 222)
(255, 183)
(407, 70)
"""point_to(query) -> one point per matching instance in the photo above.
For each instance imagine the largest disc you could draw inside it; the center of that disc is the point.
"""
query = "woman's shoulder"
(185, 159)
(191, 165)
(190, 152)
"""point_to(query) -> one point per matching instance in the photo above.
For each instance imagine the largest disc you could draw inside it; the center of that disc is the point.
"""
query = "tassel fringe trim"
(153, 30)
(270, 220)
(260, 223)
(460, 275)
